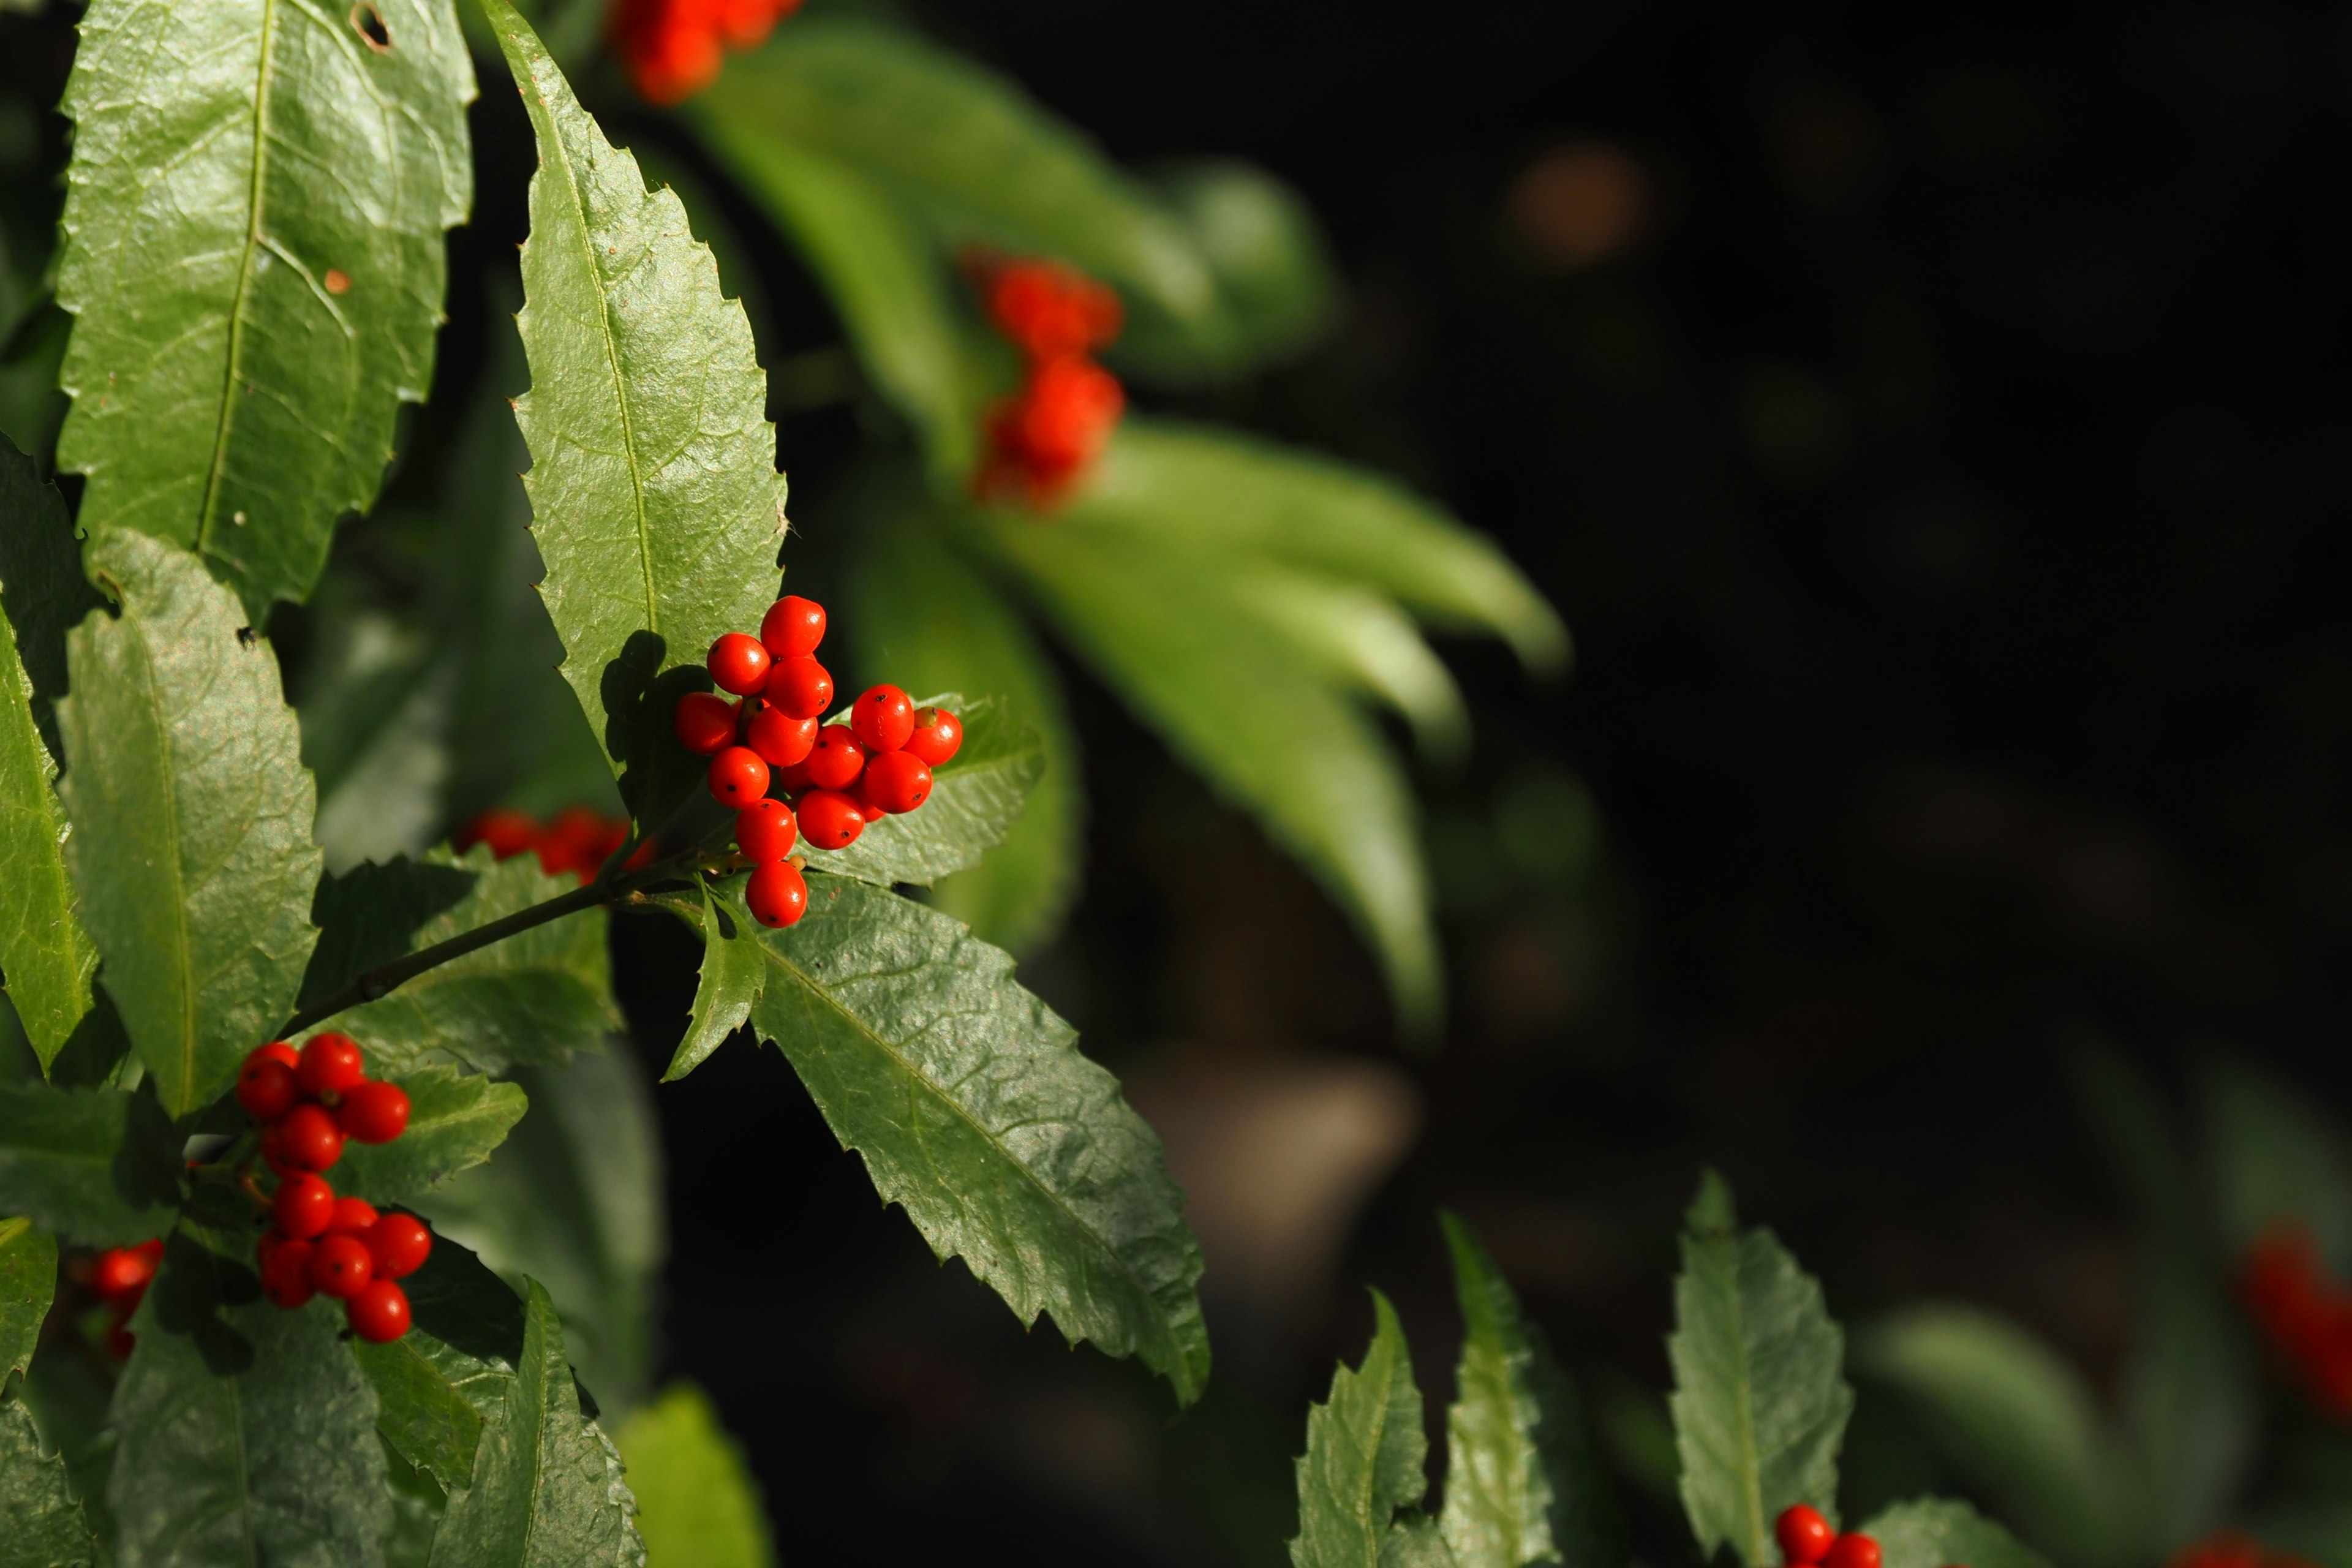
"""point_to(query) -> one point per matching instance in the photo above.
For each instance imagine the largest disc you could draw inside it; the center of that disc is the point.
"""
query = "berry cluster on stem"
(1810, 1541)
(2303, 1313)
(308, 1102)
(1043, 437)
(673, 48)
(789, 775)
(577, 843)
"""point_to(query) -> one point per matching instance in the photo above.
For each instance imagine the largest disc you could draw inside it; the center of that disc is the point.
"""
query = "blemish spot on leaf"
(238, 517)
(368, 22)
(338, 281)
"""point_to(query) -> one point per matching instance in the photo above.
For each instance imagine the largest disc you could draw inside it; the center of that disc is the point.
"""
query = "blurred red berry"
(507, 833)
(379, 1313)
(285, 1272)
(352, 1215)
(308, 1140)
(265, 1087)
(1052, 311)
(340, 1265)
(1851, 1551)
(304, 1206)
(1803, 1534)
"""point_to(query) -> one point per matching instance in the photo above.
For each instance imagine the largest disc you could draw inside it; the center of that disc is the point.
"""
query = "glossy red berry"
(882, 716)
(793, 627)
(265, 1087)
(704, 724)
(285, 1272)
(121, 1271)
(739, 664)
(340, 1265)
(837, 758)
(766, 832)
(374, 1112)
(777, 893)
(829, 819)
(401, 1244)
(1803, 1534)
(738, 777)
(895, 782)
(331, 1063)
(801, 686)
(379, 1313)
(304, 1206)
(277, 1051)
(1851, 1551)
(780, 739)
(352, 1216)
(936, 735)
(308, 1140)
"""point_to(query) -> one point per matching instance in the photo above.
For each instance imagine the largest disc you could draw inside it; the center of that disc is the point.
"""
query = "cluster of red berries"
(120, 1277)
(1809, 1541)
(2304, 1314)
(672, 48)
(838, 777)
(577, 843)
(1042, 438)
(2230, 1550)
(308, 1102)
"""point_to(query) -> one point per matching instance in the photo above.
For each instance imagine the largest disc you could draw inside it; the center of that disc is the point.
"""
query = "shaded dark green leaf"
(454, 1121)
(1760, 1401)
(733, 969)
(1365, 1464)
(1936, 1533)
(653, 483)
(439, 1382)
(976, 796)
(696, 1499)
(255, 262)
(41, 1522)
(28, 1283)
(95, 1166)
(546, 1489)
(191, 852)
(2275, 1159)
(972, 1106)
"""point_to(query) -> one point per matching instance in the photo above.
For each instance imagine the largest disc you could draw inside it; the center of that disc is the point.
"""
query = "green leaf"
(1760, 1399)
(41, 1524)
(1362, 642)
(1225, 495)
(1365, 1462)
(45, 954)
(547, 1490)
(537, 998)
(732, 973)
(246, 1434)
(976, 795)
(2015, 1421)
(253, 219)
(95, 1166)
(28, 1283)
(972, 1106)
(1262, 242)
(659, 510)
(454, 1123)
(2274, 1159)
(574, 1200)
(880, 269)
(926, 619)
(1523, 1483)
(697, 1500)
(437, 1383)
(1234, 700)
(1938, 1532)
(191, 851)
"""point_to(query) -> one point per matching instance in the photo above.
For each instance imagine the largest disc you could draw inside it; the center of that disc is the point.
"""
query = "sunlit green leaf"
(455, 1121)
(191, 853)
(28, 1283)
(1365, 1464)
(973, 1108)
(254, 257)
(91, 1165)
(653, 483)
(976, 795)
(1275, 277)
(41, 1522)
(732, 973)
(1523, 1483)
(439, 1382)
(1937, 1532)
(1760, 1400)
(1361, 641)
(697, 1500)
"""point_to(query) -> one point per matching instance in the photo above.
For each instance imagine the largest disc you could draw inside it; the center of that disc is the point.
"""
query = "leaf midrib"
(253, 243)
(1118, 1263)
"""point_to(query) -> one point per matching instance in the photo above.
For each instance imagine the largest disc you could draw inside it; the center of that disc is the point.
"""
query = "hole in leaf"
(368, 22)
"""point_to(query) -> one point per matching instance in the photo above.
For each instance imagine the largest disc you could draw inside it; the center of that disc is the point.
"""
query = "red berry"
(739, 664)
(738, 777)
(379, 1313)
(308, 1140)
(1804, 1535)
(704, 723)
(883, 717)
(304, 1206)
(1052, 311)
(352, 1215)
(791, 780)
(793, 627)
(777, 894)
(401, 1244)
(801, 686)
(937, 734)
(331, 1063)
(507, 833)
(1851, 1551)
(285, 1272)
(766, 832)
(340, 1265)
(374, 1111)
(829, 819)
(837, 758)
(265, 1087)
(780, 739)
(277, 1051)
(895, 782)
(121, 1271)
(270, 1154)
